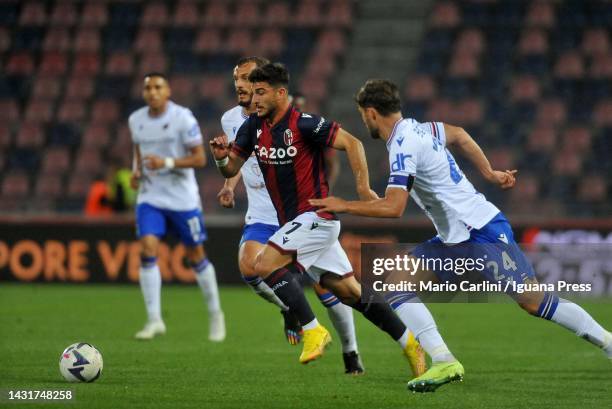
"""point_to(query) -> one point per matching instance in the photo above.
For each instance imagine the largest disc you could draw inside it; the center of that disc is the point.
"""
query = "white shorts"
(314, 242)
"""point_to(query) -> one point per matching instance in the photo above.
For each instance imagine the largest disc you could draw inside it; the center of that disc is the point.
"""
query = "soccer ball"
(81, 362)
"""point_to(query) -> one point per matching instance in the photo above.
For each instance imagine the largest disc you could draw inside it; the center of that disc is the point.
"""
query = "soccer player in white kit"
(261, 223)
(167, 147)
(421, 165)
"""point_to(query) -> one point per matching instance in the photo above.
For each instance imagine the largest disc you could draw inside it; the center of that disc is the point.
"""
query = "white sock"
(207, 280)
(311, 325)
(150, 285)
(576, 319)
(342, 317)
(415, 315)
(264, 291)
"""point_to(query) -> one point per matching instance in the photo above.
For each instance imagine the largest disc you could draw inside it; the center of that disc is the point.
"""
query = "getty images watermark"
(446, 273)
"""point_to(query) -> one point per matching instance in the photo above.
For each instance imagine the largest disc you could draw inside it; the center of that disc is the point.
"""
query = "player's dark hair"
(275, 74)
(382, 95)
(259, 61)
(156, 74)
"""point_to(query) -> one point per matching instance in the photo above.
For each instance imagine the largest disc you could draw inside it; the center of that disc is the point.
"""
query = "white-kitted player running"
(167, 148)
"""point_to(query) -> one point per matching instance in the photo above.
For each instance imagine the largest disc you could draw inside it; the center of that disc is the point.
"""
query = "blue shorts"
(188, 226)
(494, 243)
(259, 232)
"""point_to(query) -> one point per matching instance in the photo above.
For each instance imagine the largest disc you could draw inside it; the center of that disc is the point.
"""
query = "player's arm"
(458, 139)
(390, 206)
(226, 194)
(227, 159)
(136, 166)
(195, 159)
(357, 159)
(332, 164)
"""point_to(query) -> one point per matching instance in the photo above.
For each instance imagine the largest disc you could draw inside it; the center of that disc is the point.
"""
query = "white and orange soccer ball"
(81, 362)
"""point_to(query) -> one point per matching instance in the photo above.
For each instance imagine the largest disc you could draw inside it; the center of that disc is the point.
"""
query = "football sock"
(380, 314)
(416, 316)
(150, 285)
(207, 280)
(574, 318)
(286, 287)
(264, 291)
(342, 317)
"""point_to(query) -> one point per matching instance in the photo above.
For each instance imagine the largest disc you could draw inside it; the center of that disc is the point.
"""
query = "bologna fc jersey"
(291, 157)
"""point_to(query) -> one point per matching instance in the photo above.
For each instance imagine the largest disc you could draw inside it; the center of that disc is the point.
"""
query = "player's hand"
(329, 204)
(135, 179)
(153, 162)
(505, 179)
(219, 147)
(226, 197)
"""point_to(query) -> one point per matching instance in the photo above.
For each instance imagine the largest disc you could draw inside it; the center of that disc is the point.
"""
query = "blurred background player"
(422, 165)
(261, 223)
(288, 145)
(167, 147)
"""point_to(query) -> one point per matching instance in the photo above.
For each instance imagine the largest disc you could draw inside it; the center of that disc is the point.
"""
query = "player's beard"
(244, 104)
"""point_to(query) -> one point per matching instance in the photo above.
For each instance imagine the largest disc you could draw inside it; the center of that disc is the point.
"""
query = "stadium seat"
(48, 187)
(55, 161)
(208, 41)
(421, 88)
(9, 110)
(148, 40)
(86, 64)
(569, 66)
(6, 138)
(96, 136)
(307, 14)
(339, 13)
(155, 15)
(33, 13)
(246, 14)
(105, 111)
(57, 39)
(15, 185)
(320, 67)
(533, 41)
(216, 14)
(88, 162)
(552, 112)
(64, 14)
(567, 163)
(331, 41)
(592, 189)
(277, 15)
(602, 114)
(183, 87)
(30, 136)
(313, 88)
(53, 63)
(577, 139)
(525, 88)
(72, 110)
(596, 41)
(120, 64)
(86, 40)
(21, 63)
(78, 185)
(464, 65)
(238, 41)
(79, 88)
(601, 67)
(269, 43)
(213, 86)
(470, 41)
(39, 110)
(186, 14)
(152, 62)
(445, 15)
(540, 14)
(94, 14)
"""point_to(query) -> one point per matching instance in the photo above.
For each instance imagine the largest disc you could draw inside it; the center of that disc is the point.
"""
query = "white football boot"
(216, 326)
(150, 330)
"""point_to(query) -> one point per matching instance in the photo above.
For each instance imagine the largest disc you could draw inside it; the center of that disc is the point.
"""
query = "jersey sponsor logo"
(319, 125)
(399, 163)
(279, 285)
(275, 153)
(288, 137)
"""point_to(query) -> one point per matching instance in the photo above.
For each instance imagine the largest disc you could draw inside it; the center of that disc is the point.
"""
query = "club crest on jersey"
(288, 137)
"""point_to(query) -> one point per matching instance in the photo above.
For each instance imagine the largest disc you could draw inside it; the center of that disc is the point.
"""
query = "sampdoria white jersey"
(170, 135)
(418, 157)
(261, 209)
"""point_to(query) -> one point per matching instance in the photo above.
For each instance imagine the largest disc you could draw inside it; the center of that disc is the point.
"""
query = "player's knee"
(195, 254)
(148, 249)
(262, 268)
(247, 267)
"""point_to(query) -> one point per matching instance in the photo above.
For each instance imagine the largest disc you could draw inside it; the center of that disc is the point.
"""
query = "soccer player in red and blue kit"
(289, 146)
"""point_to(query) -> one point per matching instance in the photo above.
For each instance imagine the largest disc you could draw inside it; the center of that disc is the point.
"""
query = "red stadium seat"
(470, 111)
(464, 65)
(149, 40)
(72, 111)
(5, 137)
(53, 63)
(277, 15)
(57, 39)
(152, 62)
(216, 15)
(593, 189)
(79, 87)
(577, 139)
(86, 64)
(48, 187)
(470, 41)
(88, 161)
(525, 88)
(95, 136)
(602, 113)
(596, 41)
(445, 15)
(421, 88)
(120, 63)
(213, 86)
(331, 41)
(94, 14)
(55, 161)
(313, 88)
(78, 185)
(340, 13)
(542, 138)
(186, 14)
(15, 185)
(5, 39)
(525, 191)
(552, 112)
(105, 111)
(20, 63)
(569, 66)
(9, 110)
(441, 110)
(308, 14)
(239, 41)
(270, 43)
(567, 163)
(533, 42)
(321, 67)
(601, 66)
(87, 40)
(39, 110)
(183, 87)
(208, 41)
(30, 135)
(64, 14)
(246, 15)
(540, 14)
(123, 135)
(155, 15)
(33, 14)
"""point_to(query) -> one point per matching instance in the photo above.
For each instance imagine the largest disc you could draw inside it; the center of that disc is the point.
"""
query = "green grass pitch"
(511, 360)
